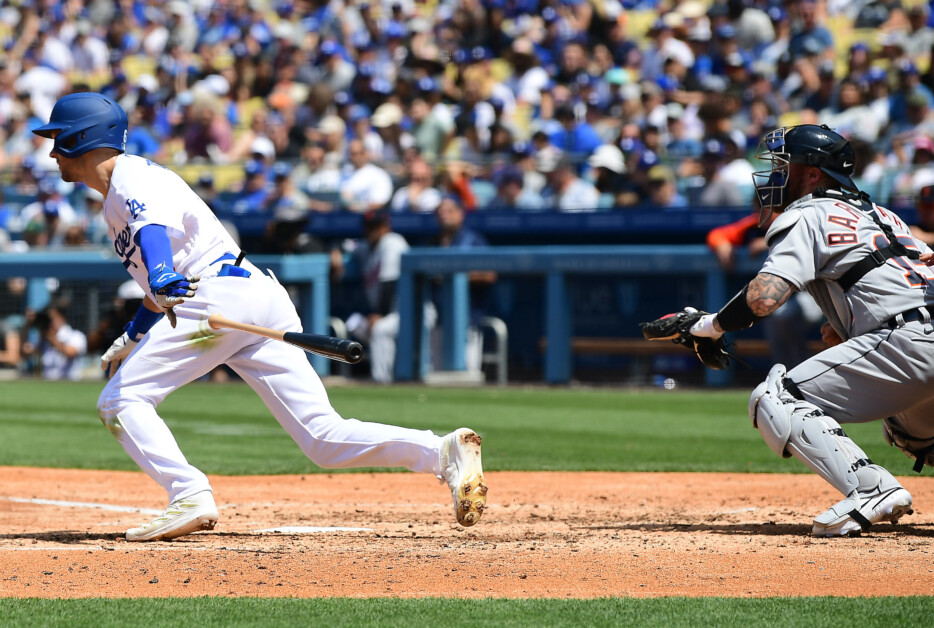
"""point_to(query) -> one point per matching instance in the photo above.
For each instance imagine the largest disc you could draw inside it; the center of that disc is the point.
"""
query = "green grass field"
(224, 429)
(452, 613)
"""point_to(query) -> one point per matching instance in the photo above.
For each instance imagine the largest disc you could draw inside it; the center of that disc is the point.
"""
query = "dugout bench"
(642, 350)
(557, 264)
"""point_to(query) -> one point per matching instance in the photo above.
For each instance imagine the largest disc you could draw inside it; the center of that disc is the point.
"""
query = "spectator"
(909, 85)
(920, 39)
(387, 120)
(512, 194)
(900, 135)
(663, 188)
(878, 96)
(453, 234)
(284, 201)
(379, 257)
(206, 126)
(142, 138)
(124, 306)
(810, 35)
(419, 195)
(923, 231)
(769, 53)
(368, 187)
(680, 145)
(243, 147)
(10, 345)
(254, 191)
(431, 133)
(60, 347)
(737, 170)
(717, 191)
(609, 177)
(333, 137)
(358, 120)
(907, 183)
(318, 176)
(528, 77)
(565, 191)
(263, 150)
(50, 217)
(331, 68)
(572, 137)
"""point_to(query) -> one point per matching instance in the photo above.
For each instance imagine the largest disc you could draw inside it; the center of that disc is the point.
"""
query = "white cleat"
(183, 516)
(853, 515)
(463, 471)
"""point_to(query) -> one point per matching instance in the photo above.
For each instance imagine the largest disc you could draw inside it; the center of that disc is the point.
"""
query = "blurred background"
(315, 128)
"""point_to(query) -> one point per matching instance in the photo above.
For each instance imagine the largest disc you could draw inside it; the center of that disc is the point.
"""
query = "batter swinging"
(176, 249)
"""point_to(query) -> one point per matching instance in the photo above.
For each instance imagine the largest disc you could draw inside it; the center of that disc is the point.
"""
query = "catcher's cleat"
(462, 470)
(183, 516)
(853, 515)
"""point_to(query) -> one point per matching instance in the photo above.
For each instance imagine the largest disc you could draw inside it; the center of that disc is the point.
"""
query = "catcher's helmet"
(85, 121)
(809, 144)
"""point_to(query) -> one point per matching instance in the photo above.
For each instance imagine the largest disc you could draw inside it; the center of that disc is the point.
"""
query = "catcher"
(872, 282)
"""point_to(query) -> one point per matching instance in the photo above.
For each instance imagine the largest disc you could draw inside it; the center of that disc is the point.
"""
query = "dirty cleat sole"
(182, 517)
(463, 471)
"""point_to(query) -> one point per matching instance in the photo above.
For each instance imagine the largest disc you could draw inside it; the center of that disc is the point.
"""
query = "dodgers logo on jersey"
(135, 207)
(124, 247)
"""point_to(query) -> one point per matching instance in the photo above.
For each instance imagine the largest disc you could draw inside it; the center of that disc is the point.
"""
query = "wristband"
(736, 314)
(704, 327)
(142, 323)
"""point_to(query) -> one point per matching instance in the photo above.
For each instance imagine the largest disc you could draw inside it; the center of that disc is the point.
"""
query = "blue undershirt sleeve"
(155, 249)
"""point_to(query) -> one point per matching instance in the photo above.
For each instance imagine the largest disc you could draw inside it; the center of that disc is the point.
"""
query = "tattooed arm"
(761, 296)
(766, 293)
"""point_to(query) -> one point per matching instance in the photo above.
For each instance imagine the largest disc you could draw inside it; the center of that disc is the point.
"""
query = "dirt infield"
(543, 535)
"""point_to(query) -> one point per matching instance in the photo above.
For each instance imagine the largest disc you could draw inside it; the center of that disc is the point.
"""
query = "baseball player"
(871, 281)
(189, 267)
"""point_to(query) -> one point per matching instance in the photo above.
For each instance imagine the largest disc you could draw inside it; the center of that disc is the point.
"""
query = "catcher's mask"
(808, 144)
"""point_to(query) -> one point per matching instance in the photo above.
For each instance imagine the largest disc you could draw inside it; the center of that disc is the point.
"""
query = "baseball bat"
(338, 349)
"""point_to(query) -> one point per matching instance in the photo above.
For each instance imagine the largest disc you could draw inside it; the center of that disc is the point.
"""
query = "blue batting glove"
(171, 288)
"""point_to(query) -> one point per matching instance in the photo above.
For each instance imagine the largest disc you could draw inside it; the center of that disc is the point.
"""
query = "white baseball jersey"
(166, 358)
(144, 193)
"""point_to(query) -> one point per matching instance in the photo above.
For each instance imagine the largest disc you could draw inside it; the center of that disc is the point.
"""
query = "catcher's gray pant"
(884, 374)
(281, 375)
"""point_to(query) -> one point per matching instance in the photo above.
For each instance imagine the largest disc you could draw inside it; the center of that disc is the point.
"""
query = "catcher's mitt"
(677, 328)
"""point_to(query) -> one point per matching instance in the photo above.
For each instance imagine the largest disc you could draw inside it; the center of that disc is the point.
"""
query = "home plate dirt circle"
(561, 535)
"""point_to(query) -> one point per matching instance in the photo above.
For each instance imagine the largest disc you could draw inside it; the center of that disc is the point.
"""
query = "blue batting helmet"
(86, 121)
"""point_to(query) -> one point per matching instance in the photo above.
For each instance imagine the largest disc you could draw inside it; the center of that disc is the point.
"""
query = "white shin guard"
(792, 427)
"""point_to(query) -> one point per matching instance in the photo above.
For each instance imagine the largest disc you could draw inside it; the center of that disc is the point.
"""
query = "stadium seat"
(499, 354)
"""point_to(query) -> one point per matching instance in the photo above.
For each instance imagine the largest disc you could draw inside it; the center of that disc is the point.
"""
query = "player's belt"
(922, 314)
(231, 270)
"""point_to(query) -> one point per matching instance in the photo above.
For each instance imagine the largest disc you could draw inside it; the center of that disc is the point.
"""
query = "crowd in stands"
(280, 108)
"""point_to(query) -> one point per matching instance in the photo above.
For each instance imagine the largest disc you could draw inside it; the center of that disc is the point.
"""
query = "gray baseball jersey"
(882, 370)
(817, 239)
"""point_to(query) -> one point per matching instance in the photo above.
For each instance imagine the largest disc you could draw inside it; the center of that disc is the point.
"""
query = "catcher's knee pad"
(770, 408)
(919, 449)
(792, 427)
